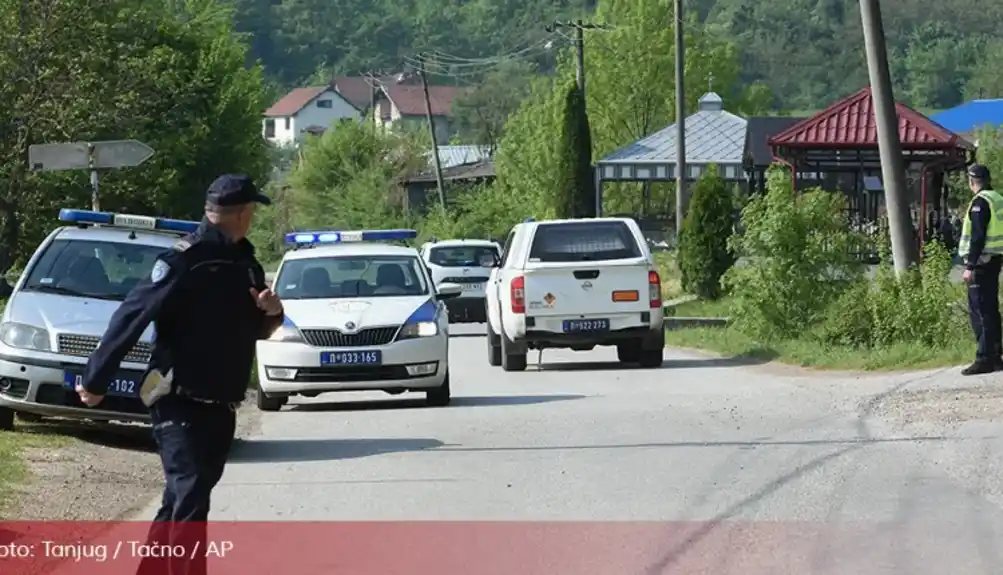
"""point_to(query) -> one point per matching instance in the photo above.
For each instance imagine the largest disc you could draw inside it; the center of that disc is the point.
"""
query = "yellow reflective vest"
(994, 235)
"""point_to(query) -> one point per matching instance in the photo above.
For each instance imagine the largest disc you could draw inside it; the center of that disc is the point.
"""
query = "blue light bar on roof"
(306, 238)
(127, 221)
(528, 220)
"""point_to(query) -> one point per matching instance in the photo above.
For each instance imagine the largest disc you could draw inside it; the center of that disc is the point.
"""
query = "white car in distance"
(361, 315)
(60, 308)
(467, 263)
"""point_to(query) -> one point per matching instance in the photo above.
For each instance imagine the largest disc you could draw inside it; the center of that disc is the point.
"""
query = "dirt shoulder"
(65, 470)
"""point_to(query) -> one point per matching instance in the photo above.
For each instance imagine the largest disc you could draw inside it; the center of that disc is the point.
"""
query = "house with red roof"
(402, 104)
(307, 111)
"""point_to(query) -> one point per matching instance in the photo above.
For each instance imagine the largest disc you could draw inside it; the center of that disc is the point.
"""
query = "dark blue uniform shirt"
(980, 224)
(206, 322)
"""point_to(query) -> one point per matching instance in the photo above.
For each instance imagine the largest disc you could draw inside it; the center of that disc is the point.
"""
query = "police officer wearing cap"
(209, 304)
(981, 248)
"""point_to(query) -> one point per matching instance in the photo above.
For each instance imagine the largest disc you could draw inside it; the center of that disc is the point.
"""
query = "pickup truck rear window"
(583, 241)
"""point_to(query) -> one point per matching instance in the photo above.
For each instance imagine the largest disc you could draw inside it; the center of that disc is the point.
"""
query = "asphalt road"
(748, 469)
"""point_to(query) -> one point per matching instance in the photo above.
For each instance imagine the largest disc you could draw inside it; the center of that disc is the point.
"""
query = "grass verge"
(807, 353)
(668, 270)
(14, 470)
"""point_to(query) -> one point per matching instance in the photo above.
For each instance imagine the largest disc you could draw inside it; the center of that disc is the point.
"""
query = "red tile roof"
(294, 101)
(849, 123)
(356, 89)
(410, 100)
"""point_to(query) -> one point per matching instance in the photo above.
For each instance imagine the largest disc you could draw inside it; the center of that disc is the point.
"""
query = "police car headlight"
(287, 334)
(23, 336)
(419, 329)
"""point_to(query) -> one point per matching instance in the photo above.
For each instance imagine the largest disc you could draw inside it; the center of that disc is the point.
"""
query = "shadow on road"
(462, 401)
(132, 437)
(278, 450)
(758, 357)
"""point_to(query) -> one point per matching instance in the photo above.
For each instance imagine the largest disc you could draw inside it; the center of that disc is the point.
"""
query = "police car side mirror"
(448, 290)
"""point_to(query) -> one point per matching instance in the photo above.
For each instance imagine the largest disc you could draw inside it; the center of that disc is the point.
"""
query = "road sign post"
(92, 156)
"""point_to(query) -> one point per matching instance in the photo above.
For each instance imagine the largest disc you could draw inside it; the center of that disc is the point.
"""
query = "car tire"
(652, 352)
(494, 348)
(268, 403)
(629, 352)
(511, 361)
(440, 396)
(6, 419)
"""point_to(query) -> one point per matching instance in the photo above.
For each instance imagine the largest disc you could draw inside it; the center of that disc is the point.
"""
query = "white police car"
(360, 315)
(467, 263)
(60, 307)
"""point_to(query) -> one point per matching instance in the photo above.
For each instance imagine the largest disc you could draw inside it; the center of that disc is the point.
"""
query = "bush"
(704, 253)
(797, 249)
(920, 308)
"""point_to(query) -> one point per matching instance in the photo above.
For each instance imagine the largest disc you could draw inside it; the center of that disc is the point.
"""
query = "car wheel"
(267, 403)
(510, 361)
(494, 348)
(629, 352)
(6, 419)
(440, 396)
(651, 353)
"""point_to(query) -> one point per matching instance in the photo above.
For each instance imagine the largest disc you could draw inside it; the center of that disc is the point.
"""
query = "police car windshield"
(93, 269)
(460, 256)
(351, 276)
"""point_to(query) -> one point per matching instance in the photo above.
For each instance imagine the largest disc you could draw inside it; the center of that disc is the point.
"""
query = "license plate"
(585, 325)
(351, 358)
(473, 287)
(123, 384)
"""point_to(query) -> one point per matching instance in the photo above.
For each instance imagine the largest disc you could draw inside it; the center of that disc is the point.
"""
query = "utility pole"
(373, 87)
(905, 251)
(431, 130)
(579, 26)
(680, 121)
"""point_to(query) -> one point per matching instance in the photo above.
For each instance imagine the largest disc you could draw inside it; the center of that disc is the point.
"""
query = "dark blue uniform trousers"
(984, 310)
(194, 441)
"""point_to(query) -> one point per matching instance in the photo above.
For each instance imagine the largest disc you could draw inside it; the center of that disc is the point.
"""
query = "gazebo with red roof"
(842, 141)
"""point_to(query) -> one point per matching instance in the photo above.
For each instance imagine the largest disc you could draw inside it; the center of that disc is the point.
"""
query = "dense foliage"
(704, 253)
(170, 74)
(575, 193)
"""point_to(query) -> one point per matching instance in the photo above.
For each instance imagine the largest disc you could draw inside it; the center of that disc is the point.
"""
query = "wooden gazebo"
(837, 149)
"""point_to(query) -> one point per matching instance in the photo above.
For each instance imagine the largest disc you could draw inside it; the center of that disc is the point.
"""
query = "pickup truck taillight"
(519, 295)
(654, 290)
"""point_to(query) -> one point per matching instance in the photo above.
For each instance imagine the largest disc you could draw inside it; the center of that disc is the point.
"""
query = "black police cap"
(235, 190)
(978, 171)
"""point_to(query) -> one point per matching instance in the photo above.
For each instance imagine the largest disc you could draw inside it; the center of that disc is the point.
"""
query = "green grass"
(668, 270)
(701, 308)
(729, 342)
(14, 471)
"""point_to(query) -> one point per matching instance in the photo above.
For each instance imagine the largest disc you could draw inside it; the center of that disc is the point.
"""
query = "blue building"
(970, 116)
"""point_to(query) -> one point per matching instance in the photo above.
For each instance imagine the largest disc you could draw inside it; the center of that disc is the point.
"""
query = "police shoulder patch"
(160, 271)
(182, 245)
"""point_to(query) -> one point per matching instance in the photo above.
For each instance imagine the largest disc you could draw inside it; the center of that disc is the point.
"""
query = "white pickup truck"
(575, 284)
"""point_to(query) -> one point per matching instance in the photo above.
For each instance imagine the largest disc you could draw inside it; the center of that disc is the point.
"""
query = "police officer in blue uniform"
(209, 304)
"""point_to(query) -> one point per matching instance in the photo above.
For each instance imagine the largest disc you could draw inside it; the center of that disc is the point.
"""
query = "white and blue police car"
(467, 263)
(362, 314)
(60, 308)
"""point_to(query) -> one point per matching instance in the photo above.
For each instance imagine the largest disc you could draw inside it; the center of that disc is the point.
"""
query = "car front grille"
(84, 346)
(466, 280)
(370, 337)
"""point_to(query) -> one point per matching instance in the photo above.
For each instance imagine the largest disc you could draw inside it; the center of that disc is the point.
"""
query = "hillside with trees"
(808, 52)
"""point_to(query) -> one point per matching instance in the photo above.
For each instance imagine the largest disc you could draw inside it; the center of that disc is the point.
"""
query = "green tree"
(575, 193)
(481, 112)
(704, 252)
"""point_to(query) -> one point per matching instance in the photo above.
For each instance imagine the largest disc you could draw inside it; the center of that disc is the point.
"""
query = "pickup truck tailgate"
(603, 289)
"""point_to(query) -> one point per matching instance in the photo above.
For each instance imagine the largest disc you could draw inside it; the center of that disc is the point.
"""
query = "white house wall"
(311, 115)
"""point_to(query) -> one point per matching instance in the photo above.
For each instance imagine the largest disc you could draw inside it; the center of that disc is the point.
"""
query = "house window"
(289, 123)
(323, 103)
(269, 128)
(343, 121)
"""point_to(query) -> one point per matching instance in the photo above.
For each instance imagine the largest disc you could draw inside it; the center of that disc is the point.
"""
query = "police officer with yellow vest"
(981, 247)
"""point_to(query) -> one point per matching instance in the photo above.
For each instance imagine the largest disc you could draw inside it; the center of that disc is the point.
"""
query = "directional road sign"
(88, 155)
